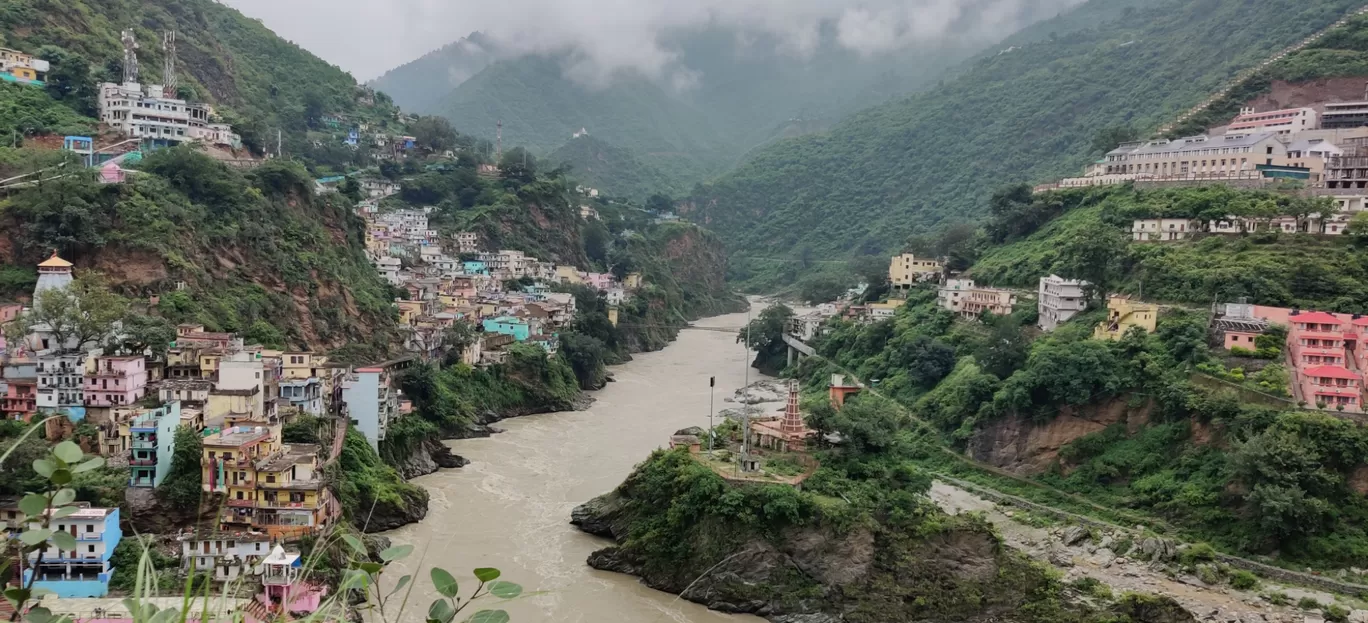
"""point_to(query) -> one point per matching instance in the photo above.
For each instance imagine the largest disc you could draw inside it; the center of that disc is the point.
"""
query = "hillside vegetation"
(257, 81)
(615, 171)
(1023, 114)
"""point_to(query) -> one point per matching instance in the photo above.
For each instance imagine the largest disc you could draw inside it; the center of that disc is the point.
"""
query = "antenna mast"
(130, 64)
(169, 64)
(498, 138)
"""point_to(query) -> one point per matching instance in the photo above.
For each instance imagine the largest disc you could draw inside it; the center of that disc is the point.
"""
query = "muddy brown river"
(510, 508)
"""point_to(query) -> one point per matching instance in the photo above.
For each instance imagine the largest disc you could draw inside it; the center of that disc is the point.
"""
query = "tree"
(350, 188)
(518, 166)
(1358, 226)
(69, 79)
(766, 337)
(142, 332)
(434, 133)
(596, 241)
(1094, 254)
(1005, 350)
(184, 482)
(265, 334)
(586, 356)
(821, 288)
(85, 313)
(456, 339)
(659, 203)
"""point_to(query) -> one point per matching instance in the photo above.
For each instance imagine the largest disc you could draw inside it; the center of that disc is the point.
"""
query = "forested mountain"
(745, 90)
(257, 81)
(613, 170)
(1025, 113)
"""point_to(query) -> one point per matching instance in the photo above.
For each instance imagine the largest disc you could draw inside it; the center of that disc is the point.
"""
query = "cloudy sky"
(367, 37)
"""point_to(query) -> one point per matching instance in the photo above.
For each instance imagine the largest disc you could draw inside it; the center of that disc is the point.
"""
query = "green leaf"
(403, 581)
(489, 616)
(33, 504)
(64, 511)
(445, 583)
(486, 574)
(94, 462)
(44, 467)
(505, 590)
(371, 567)
(64, 497)
(16, 595)
(35, 536)
(353, 578)
(39, 615)
(166, 616)
(441, 611)
(356, 544)
(64, 540)
(396, 552)
(68, 451)
(61, 477)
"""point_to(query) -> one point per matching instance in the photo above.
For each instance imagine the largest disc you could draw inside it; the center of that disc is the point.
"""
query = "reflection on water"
(511, 507)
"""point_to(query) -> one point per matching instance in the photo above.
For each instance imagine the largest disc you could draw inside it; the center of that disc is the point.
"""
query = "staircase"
(1249, 73)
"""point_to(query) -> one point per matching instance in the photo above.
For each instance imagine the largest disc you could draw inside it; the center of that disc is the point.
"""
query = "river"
(510, 508)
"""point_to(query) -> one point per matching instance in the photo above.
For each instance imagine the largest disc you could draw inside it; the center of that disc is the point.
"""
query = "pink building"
(116, 381)
(1332, 385)
(599, 281)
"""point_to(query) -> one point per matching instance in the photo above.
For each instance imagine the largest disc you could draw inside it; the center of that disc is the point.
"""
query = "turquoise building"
(508, 325)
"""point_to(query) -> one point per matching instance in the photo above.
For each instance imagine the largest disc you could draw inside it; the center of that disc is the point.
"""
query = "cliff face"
(1025, 446)
(924, 567)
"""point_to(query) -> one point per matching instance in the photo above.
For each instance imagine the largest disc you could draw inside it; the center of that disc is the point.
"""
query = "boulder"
(1073, 535)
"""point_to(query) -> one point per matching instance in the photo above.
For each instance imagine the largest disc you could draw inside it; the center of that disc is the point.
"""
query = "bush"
(1307, 603)
(1197, 553)
(1208, 574)
(1243, 580)
(1241, 352)
(1336, 613)
(1277, 598)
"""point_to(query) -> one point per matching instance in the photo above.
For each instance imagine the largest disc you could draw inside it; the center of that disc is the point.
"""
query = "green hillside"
(420, 84)
(257, 81)
(1023, 114)
(614, 170)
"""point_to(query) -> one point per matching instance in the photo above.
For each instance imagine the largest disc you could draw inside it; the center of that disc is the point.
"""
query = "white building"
(139, 111)
(951, 296)
(378, 188)
(243, 372)
(1058, 300)
(1164, 229)
(467, 242)
(61, 383)
(226, 556)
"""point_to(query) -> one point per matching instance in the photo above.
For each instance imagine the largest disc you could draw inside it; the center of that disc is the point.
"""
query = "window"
(90, 528)
(90, 549)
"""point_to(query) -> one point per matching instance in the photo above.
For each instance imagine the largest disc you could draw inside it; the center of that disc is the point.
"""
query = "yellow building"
(906, 269)
(613, 314)
(1122, 314)
(632, 281)
(300, 365)
(409, 311)
(568, 274)
(208, 364)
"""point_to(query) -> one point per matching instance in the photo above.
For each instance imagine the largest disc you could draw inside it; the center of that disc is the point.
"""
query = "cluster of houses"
(1324, 352)
(1325, 148)
(453, 279)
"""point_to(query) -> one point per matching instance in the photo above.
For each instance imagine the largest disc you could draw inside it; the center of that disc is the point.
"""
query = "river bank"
(509, 508)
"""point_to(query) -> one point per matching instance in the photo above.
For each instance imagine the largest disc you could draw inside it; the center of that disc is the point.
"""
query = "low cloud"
(598, 40)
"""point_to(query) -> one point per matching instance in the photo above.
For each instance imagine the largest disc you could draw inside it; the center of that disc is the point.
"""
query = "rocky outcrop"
(144, 513)
(387, 515)
(427, 458)
(1024, 445)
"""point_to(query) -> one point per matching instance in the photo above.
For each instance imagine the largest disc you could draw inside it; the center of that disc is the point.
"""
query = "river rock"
(428, 457)
(1358, 616)
(601, 516)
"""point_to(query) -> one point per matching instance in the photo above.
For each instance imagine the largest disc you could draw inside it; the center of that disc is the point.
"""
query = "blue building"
(151, 442)
(84, 572)
(508, 325)
(474, 268)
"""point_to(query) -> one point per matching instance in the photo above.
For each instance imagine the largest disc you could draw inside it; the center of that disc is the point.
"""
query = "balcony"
(142, 462)
(288, 505)
(241, 503)
(89, 536)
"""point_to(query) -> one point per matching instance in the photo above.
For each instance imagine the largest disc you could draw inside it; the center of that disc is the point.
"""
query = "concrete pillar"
(790, 356)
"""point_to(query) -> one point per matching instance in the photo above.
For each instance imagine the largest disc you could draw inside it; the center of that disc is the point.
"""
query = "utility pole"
(169, 64)
(279, 151)
(498, 145)
(712, 382)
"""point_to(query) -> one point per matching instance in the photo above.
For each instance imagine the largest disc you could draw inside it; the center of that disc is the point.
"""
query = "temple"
(786, 434)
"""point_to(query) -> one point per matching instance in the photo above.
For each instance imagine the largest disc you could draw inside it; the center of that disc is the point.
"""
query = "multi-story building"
(906, 269)
(115, 381)
(151, 441)
(952, 294)
(1344, 115)
(1284, 122)
(303, 395)
(225, 557)
(191, 393)
(1164, 229)
(1232, 156)
(467, 242)
(194, 335)
(1059, 300)
(20, 400)
(370, 402)
(292, 498)
(61, 383)
(230, 461)
(139, 111)
(981, 300)
(85, 571)
(16, 66)
(1122, 314)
